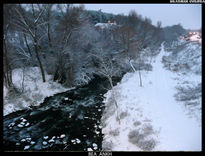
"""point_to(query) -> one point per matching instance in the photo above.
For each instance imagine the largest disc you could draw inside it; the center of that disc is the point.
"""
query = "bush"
(137, 123)
(140, 139)
(189, 93)
(123, 115)
(115, 132)
(135, 137)
(147, 145)
(37, 97)
(107, 146)
(147, 129)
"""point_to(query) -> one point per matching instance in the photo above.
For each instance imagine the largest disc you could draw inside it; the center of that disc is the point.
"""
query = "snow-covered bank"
(150, 116)
(35, 91)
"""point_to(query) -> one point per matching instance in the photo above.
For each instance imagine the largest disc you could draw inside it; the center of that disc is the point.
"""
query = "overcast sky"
(188, 15)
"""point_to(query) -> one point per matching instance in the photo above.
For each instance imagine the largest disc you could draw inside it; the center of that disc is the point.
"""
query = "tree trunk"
(49, 37)
(113, 93)
(27, 45)
(4, 80)
(22, 84)
(48, 27)
(130, 61)
(39, 61)
(8, 72)
(140, 77)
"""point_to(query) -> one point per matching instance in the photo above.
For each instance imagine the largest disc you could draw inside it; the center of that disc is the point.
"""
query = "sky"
(188, 15)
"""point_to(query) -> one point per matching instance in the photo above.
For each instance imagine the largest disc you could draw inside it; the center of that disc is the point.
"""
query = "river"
(68, 121)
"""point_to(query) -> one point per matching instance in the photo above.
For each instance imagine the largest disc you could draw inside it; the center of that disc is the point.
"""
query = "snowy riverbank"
(35, 91)
(150, 116)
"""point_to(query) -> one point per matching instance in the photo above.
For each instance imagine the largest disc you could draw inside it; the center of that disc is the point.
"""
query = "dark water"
(71, 118)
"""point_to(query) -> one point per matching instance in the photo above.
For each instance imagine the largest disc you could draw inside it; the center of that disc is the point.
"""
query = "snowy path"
(178, 132)
(155, 101)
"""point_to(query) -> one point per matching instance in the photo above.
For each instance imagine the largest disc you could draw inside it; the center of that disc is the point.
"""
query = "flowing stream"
(68, 121)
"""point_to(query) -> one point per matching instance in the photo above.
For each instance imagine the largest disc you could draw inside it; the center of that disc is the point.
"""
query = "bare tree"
(67, 31)
(48, 23)
(7, 73)
(29, 24)
(27, 45)
(159, 24)
(7, 70)
(131, 45)
(107, 69)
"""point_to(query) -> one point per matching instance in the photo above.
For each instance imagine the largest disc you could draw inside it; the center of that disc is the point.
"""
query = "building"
(193, 36)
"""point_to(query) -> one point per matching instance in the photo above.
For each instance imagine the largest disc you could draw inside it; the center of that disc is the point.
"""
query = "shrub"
(114, 132)
(137, 123)
(135, 137)
(123, 115)
(147, 145)
(188, 93)
(139, 139)
(107, 146)
(37, 97)
(147, 129)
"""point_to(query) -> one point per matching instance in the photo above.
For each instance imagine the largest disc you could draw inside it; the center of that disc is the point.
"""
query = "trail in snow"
(154, 104)
(178, 131)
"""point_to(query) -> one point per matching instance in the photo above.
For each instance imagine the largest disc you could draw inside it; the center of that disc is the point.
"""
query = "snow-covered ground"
(35, 90)
(104, 25)
(150, 116)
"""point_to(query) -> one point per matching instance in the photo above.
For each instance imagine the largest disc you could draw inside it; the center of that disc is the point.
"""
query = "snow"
(45, 143)
(104, 25)
(97, 132)
(20, 125)
(95, 146)
(35, 91)
(78, 141)
(152, 105)
(32, 142)
(100, 126)
(28, 139)
(27, 124)
(53, 137)
(24, 120)
(11, 124)
(51, 141)
(26, 147)
(74, 141)
(90, 149)
(62, 136)
(45, 137)
(23, 140)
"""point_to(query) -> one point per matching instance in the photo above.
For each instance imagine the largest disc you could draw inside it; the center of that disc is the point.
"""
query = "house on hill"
(193, 36)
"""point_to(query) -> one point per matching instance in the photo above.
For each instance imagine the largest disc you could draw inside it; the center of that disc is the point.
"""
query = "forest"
(65, 43)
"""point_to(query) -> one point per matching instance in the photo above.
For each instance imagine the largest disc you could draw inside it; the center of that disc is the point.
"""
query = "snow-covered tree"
(30, 24)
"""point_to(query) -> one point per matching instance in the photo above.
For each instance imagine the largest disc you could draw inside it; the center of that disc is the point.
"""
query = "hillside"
(151, 116)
